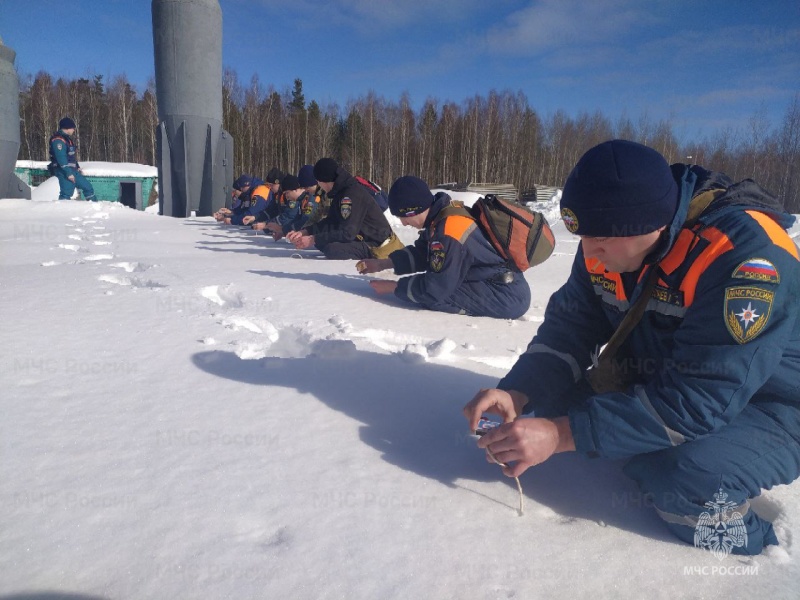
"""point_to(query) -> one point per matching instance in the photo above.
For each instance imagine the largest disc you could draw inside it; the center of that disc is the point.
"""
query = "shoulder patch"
(60, 146)
(757, 269)
(436, 255)
(747, 310)
(346, 208)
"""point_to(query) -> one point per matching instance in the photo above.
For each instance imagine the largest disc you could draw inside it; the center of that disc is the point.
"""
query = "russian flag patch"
(757, 269)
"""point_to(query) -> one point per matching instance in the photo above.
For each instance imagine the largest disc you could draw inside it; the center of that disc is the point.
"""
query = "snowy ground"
(190, 411)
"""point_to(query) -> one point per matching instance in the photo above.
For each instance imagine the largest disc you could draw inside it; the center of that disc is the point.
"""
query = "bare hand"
(373, 265)
(227, 221)
(258, 226)
(71, 178)
(294, 235)
(506, 404)
(302, 242)
(382, 286)
(525, 443)
(248, 219)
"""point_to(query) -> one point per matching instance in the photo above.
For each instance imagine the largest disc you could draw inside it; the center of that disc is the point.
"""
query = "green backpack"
(521, 236)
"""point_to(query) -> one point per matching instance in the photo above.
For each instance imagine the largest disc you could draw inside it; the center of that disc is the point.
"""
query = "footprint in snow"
(223, 295)
(131, 267)
(135, 282)
(96, 257)
(264, 327)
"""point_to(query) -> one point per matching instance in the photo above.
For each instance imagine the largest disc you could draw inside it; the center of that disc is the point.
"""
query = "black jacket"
(353, 215)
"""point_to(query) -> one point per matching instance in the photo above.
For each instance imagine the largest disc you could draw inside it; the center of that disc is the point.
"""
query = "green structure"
(128, 183)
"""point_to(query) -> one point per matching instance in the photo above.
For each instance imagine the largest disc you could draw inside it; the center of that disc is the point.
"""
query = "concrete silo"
(195, 155)
(11, 186)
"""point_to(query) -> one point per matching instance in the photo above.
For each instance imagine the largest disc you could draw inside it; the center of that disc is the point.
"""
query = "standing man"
(694, 284)
(355, 227)
(457, 268)
(64, 163)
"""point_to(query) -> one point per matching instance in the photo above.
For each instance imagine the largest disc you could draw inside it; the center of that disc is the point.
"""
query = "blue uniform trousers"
(752, 453)
(488, 299)
(67, 187)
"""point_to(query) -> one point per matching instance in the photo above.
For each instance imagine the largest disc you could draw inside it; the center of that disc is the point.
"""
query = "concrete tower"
(11, 186)
(195, 155)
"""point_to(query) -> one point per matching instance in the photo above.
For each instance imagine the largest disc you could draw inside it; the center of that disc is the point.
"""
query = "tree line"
(497, 137)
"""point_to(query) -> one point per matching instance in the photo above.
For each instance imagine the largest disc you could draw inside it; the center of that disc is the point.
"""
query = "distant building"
(506, 191)
(130, 184)
(530, 197)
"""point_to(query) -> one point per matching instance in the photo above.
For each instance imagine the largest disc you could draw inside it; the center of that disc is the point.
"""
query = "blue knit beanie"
(290, 182)
(66, 123)
(619, 189)
(306, 176)
(275, 175)
(244, 180)
(409, 196)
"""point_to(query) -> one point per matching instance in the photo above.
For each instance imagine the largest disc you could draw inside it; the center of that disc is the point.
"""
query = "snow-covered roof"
(111, 169)
(100, 168)
(32, 164)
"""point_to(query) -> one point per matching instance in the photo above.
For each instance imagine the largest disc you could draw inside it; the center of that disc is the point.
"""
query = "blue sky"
(706, 65)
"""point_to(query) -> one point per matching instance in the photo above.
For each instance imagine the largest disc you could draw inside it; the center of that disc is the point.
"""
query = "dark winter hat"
(325, 170)
(290, 182)
(619, 189)
(306, 176)
(409, 196)
(275, 175)
(66, 123)
(244, 180)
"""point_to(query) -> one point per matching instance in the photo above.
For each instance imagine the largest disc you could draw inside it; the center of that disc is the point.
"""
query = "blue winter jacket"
(457, 266)
(295, 215)
(251, 202)
(63, 154)
(721, 330)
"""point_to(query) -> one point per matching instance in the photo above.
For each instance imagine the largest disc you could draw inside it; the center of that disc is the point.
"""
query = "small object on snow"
(519, 485)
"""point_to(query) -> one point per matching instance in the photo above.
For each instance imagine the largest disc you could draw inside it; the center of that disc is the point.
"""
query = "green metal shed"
(128, 183)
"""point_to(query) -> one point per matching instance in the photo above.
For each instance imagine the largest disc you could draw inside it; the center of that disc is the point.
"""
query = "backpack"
(376, 192)
(522, 237)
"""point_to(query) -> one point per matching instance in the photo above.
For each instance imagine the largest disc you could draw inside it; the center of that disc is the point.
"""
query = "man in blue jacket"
(252, 197)
(701, 391)
(64, 162)
(457, 269)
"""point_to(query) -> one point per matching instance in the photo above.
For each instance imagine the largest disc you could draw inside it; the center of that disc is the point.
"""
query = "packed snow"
(196, 411)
